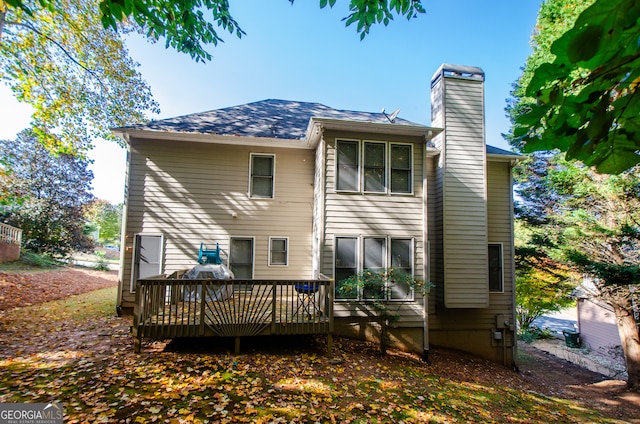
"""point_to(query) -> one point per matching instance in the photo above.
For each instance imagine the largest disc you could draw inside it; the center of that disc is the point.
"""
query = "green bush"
(534, 333)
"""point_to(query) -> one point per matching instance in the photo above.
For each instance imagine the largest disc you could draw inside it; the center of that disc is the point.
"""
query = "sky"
(303, 53)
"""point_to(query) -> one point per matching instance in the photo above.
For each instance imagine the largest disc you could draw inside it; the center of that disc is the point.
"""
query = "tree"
(185, 27)
(375, 286)
(106, 218)
(591, 222)
(586, 98)
(77, 75)
(52, 191)
(65, 58)
(601, 237)
(543, 284)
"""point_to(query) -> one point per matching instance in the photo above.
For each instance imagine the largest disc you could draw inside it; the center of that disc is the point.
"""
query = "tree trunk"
(630, 339)
(2, 21)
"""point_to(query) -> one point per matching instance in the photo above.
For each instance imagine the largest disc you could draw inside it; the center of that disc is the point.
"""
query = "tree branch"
(63, 49)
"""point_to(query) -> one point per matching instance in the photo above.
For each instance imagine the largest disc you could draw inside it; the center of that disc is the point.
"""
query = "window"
(377, 254)
(400, 164)
(262, 176)
(496, 281)
(374, 259)
(241, 257)
(384, 168)
(348, 160)
(346, 263)
(401, 262)
(278, 252)
(374, 167)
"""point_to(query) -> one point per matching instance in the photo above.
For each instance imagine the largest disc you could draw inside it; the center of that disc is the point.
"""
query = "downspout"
(427, 257)
(513, 324)
(123, 230)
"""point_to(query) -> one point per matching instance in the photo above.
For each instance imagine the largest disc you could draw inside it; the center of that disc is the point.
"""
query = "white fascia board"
(212, 139)
(318, 125)
(493, 157)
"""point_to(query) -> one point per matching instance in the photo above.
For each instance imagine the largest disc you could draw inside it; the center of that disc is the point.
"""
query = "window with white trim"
(278, 251)
(374, 167)
(496, 275)
(261, 181)
(348, 160)
(401, 261)
(376, 254)
(400, 160)
(345, 262)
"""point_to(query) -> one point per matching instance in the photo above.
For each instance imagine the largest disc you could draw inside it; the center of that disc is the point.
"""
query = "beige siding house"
(300, 191)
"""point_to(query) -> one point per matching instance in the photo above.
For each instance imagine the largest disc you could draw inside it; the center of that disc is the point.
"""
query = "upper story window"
(348, 160)
(262, 173)
(374, 167)
(400, 164)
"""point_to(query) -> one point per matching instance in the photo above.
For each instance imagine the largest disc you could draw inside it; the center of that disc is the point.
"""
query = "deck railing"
(172, 307)
(9, 234)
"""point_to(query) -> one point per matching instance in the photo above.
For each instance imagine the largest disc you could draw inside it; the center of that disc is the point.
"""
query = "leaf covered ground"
(76, 351)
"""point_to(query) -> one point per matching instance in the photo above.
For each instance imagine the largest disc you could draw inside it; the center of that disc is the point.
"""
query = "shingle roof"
(267, 118)
(498, 151)
(271, 118)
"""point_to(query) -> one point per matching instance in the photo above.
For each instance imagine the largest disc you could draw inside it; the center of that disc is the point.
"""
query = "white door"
(147, 261)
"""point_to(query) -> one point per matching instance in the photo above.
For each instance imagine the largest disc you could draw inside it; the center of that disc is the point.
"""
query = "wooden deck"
(169, 307)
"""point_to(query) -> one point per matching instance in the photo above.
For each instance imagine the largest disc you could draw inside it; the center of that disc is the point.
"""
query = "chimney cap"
(458, 71)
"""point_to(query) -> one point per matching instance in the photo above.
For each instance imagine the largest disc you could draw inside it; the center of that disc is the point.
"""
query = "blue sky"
(300, 52)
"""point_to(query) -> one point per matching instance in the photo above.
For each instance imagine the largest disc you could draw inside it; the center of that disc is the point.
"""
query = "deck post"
(237, 346)
(137, 344)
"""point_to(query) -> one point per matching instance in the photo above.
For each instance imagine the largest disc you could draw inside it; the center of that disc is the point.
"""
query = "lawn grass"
(107, 382)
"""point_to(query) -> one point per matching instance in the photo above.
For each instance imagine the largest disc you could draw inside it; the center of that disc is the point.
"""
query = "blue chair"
(307, 301)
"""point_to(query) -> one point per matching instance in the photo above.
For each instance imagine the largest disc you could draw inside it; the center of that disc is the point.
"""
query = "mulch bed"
(18, 289)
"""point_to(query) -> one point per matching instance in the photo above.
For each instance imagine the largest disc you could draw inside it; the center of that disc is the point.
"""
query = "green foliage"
(183, 24)
(587, 102)
(77, 76)
(591, 222)
(188, 26)
(54, 190)
(366, 13)
(374, 287)
(532, 334)
(101, 263)
(33, 259)
(107, 219)
(543, 284)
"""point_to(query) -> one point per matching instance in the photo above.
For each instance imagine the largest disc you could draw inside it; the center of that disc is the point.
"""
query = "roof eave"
(497, 157)
(318, 124)
(238, 140)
